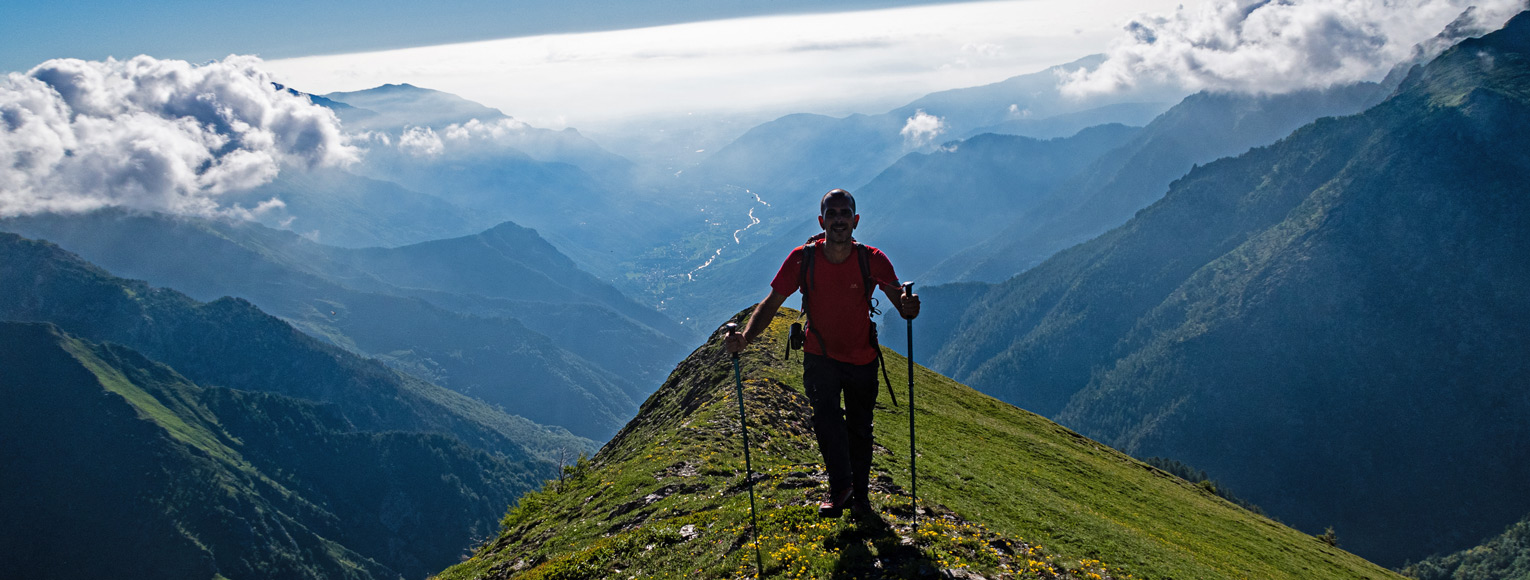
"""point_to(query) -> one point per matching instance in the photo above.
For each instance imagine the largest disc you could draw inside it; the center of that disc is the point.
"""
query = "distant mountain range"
(1335, 324)
(393, 107)
(928, 207)
(454, 312)
(156, 436)
(1200, 129)
(806, 155)
(438, 166)
(990, 206)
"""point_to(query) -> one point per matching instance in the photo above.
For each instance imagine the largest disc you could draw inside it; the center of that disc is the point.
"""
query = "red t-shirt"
(837, 301)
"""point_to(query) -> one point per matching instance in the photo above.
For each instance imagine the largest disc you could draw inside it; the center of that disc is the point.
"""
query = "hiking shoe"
(836, 504)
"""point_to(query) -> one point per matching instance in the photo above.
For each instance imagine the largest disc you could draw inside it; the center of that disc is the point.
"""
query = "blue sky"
(34, 31)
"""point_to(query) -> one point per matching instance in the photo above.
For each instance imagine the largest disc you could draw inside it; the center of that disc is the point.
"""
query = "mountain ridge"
(1347, 300)
(331, 293)
(169, 479)
(211, 343)
(1002, 493)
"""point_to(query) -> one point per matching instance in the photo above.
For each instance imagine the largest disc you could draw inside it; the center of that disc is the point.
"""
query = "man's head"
(836, 214)
(833, 195)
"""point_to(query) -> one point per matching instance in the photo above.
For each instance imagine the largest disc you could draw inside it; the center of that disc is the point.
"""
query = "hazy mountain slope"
(579, 196)
(395, 106)
(1318, 321)
(1033, 96)
(814, 153)
(394, 109)
(230, 343)
(921, 210)
(998, 487)
(1201, 128)
(927, 207)
(596, 221)
(1502, 557)
(115, 462)
(490, 357)
(338, 208)
(511, 271)
(1068, 124)
(806, 153)
(993, 204)
(507, 261)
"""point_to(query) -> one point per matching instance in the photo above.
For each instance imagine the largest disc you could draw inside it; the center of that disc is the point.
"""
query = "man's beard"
(839, 234)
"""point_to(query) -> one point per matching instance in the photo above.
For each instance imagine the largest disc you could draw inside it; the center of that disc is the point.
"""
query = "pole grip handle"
(908, 288)
(732, 328)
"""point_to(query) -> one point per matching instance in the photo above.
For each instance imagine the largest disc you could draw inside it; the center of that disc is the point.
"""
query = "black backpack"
(805, 282)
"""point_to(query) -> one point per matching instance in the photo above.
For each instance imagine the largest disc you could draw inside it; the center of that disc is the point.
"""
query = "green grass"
(152, 408)
(1003, 493)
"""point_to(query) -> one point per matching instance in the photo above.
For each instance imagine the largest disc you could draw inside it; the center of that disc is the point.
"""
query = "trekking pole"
(913, 475)
(738, 381)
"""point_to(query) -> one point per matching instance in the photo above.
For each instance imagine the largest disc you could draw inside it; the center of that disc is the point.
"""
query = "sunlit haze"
(864, 61)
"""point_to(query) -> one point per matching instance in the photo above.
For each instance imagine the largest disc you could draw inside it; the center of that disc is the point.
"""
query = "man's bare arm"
(908, 306)
(758, 322)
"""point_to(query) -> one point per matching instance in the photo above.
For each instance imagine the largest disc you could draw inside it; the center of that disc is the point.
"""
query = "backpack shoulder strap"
(805, 283)
(864, 256)
(805, 268)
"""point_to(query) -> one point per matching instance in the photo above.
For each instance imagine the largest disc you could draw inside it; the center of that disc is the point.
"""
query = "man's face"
(838, 221)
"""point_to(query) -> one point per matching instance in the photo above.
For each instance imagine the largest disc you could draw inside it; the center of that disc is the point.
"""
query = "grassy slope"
(1019, 494)
(112, 462)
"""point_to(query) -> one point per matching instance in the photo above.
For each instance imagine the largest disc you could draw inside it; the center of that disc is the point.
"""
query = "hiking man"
(836, 275)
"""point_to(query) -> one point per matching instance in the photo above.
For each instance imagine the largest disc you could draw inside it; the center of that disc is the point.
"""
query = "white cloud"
(922, 128)
(474, 135)
(421, 142)
(1276, 46)
(497, 132)
(162, 135)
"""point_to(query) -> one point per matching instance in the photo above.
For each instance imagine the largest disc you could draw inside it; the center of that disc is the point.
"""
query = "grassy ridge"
(1004, 492)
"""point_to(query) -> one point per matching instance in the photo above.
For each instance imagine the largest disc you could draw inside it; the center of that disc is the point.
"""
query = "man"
(839, 355)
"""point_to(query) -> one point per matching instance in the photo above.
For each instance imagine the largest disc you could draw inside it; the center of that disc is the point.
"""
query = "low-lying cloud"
(1277, 46)
(149, 134)
(922, 129)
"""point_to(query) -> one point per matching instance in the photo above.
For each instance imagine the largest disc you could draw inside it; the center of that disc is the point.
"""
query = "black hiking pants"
(844, 434)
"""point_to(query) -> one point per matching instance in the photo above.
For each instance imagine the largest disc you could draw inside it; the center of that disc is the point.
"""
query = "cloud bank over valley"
(149, 134)
(1271, 47)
